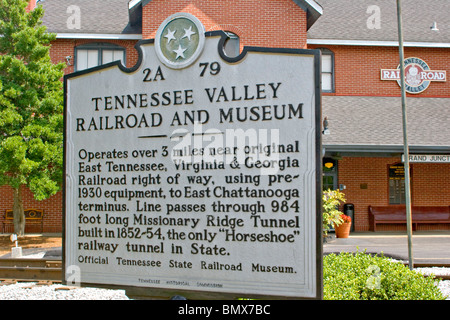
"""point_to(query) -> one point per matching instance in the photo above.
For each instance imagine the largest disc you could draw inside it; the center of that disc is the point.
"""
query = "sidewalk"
(427, 246)
(33, 245)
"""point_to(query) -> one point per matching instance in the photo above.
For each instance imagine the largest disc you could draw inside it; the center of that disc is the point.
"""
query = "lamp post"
(405, 136)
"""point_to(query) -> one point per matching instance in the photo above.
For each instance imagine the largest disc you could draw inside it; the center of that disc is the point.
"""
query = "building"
(358, 38)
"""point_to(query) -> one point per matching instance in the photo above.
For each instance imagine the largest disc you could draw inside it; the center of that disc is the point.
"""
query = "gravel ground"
(32, 291)
(445, 288)
(444, 285)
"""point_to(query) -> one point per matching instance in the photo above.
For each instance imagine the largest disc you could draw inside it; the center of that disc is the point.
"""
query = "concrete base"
(16, 252)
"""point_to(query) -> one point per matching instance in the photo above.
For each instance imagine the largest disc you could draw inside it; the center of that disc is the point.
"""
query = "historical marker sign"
(194, 172)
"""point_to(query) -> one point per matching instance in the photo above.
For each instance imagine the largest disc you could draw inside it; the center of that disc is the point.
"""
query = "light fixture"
(325, 126)
(68, 60)
(434, 26)
(329, 165)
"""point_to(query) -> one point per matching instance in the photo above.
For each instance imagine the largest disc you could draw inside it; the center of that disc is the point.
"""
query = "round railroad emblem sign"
(415, 75)
(418, 75)
(180, 40)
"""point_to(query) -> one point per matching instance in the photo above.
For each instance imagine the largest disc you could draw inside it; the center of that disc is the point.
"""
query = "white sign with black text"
(428, 158)
(194, 171)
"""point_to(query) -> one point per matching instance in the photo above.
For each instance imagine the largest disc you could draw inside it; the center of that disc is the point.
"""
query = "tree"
(31, 107)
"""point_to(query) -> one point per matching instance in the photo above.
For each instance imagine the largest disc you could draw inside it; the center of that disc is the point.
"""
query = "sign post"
(196, 174)
(405, 137)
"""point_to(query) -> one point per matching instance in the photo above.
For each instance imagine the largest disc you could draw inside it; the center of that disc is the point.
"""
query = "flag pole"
(405, 136)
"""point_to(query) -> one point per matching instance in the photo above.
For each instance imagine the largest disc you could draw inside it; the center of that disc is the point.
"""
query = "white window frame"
(99, 48)
(330, 54)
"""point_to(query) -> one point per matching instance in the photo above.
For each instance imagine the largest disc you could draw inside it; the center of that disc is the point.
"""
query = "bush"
(360, 276)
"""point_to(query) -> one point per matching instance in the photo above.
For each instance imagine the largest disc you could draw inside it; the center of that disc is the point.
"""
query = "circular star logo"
(180, 40)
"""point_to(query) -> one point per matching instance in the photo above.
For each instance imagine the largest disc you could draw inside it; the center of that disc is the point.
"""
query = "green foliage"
(331, 215)
(31, 102)
(360, 276)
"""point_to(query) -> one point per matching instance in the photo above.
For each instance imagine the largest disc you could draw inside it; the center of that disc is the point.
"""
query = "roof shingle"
(349, 19)
(99, 17)
(377, 121)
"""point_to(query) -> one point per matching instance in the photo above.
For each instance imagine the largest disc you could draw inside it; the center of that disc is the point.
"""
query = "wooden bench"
(35, 216)
(397, 214)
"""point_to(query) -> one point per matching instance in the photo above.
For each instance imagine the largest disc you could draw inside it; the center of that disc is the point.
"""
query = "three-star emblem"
(170, 35)
(180, 40)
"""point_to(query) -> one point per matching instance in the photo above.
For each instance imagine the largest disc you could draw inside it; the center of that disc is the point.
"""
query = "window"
(397, 184)
(231, 47)
(327, 70)
(96, 54)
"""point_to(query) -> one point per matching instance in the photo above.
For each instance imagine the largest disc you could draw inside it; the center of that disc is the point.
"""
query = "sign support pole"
(405, 136)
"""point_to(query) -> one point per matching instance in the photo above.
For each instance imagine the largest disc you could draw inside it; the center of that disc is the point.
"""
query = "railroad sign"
(418, 75)
(196, 173)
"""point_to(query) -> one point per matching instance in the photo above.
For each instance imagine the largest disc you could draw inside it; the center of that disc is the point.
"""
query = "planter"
(343, 230)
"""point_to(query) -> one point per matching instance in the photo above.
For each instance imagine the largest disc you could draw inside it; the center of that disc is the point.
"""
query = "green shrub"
(360, 276)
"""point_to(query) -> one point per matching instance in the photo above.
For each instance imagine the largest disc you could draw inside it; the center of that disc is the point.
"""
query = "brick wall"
(263, 23)
(357, 70)
(52, 208)
(429, 186)
(61, 48)
(268, 23)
